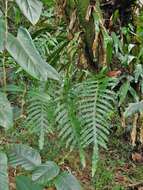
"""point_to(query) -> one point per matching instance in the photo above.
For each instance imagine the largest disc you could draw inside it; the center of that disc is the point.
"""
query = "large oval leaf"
(4, 185)
(24, 156)
(2, 34)
(45, 172)
(6, 114)
(31, 9)
(25, 183)
(66, 181)
(23, 50)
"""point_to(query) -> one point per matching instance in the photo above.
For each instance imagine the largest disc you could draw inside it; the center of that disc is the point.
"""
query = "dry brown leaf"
(140, 188)
(141, 135)
(95, 44)
(134, 130)
(72, 20)
(137, 157)
(88, 13)
(114, 73)
(141, 128)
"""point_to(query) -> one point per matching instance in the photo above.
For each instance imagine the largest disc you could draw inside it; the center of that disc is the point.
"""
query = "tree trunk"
(79, 17)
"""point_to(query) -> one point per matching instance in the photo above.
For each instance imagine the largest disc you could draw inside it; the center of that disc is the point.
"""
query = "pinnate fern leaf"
(37, 111)
(83, 118)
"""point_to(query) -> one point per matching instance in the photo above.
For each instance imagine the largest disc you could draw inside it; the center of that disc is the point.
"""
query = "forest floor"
(119, 168)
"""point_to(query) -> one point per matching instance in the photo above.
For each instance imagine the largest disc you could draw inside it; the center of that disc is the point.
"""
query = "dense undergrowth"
(71, 108)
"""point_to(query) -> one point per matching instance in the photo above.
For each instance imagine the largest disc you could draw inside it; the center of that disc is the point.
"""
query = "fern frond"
(83, 114)
(95, 103)
(37, 111)
(69, 124)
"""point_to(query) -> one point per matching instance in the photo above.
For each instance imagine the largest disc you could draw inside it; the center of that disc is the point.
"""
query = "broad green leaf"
(66, 181)
(1, 13)
(45, 172)
(130, 47)
(130, 59)
(6, 114)
(138, 72)
(31, 9)
(4, 185)
(23, 50)
(2, 34)
(24, 156)
(123, 92)
(134, 108)
(25, 183)
(134, 94)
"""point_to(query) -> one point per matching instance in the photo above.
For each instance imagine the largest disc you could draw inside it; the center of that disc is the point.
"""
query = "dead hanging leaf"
(141, 128)
(88, 13)
(72, 20)
(95, 44)
(82, 61)
(134, 130)
(141, 135)
(60, 8)
(101, 50)
(70, 36)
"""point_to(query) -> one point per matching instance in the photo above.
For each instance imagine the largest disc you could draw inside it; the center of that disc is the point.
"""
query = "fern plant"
(69, 125)
(83, 114)
(95, 106)
(39, 113)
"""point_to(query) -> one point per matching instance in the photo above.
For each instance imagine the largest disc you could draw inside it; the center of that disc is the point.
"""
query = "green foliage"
(24, 156)
(31, 9)
(24, 183)
(133, 108)
(77, 108)
(6, 114)
(95, 105)
(2, 34)
(41, 173)
(66, 181)
(3, 172)
(39, 113)
(22, 49)
(83, 115)
(45, 172)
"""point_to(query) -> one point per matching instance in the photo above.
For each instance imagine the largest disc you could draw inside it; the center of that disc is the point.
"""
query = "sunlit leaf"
(45, 172)
(22, 49)
(66, 181)
(25, 183)
(4, 185)
(6, 114)
(31, 9)
(2, 34)
(24, 156)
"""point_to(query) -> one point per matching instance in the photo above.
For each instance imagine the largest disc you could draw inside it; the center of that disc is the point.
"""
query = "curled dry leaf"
(137, 157)
(114, 73)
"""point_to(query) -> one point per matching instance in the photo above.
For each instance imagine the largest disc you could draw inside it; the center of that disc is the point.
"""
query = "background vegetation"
(71, 99)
